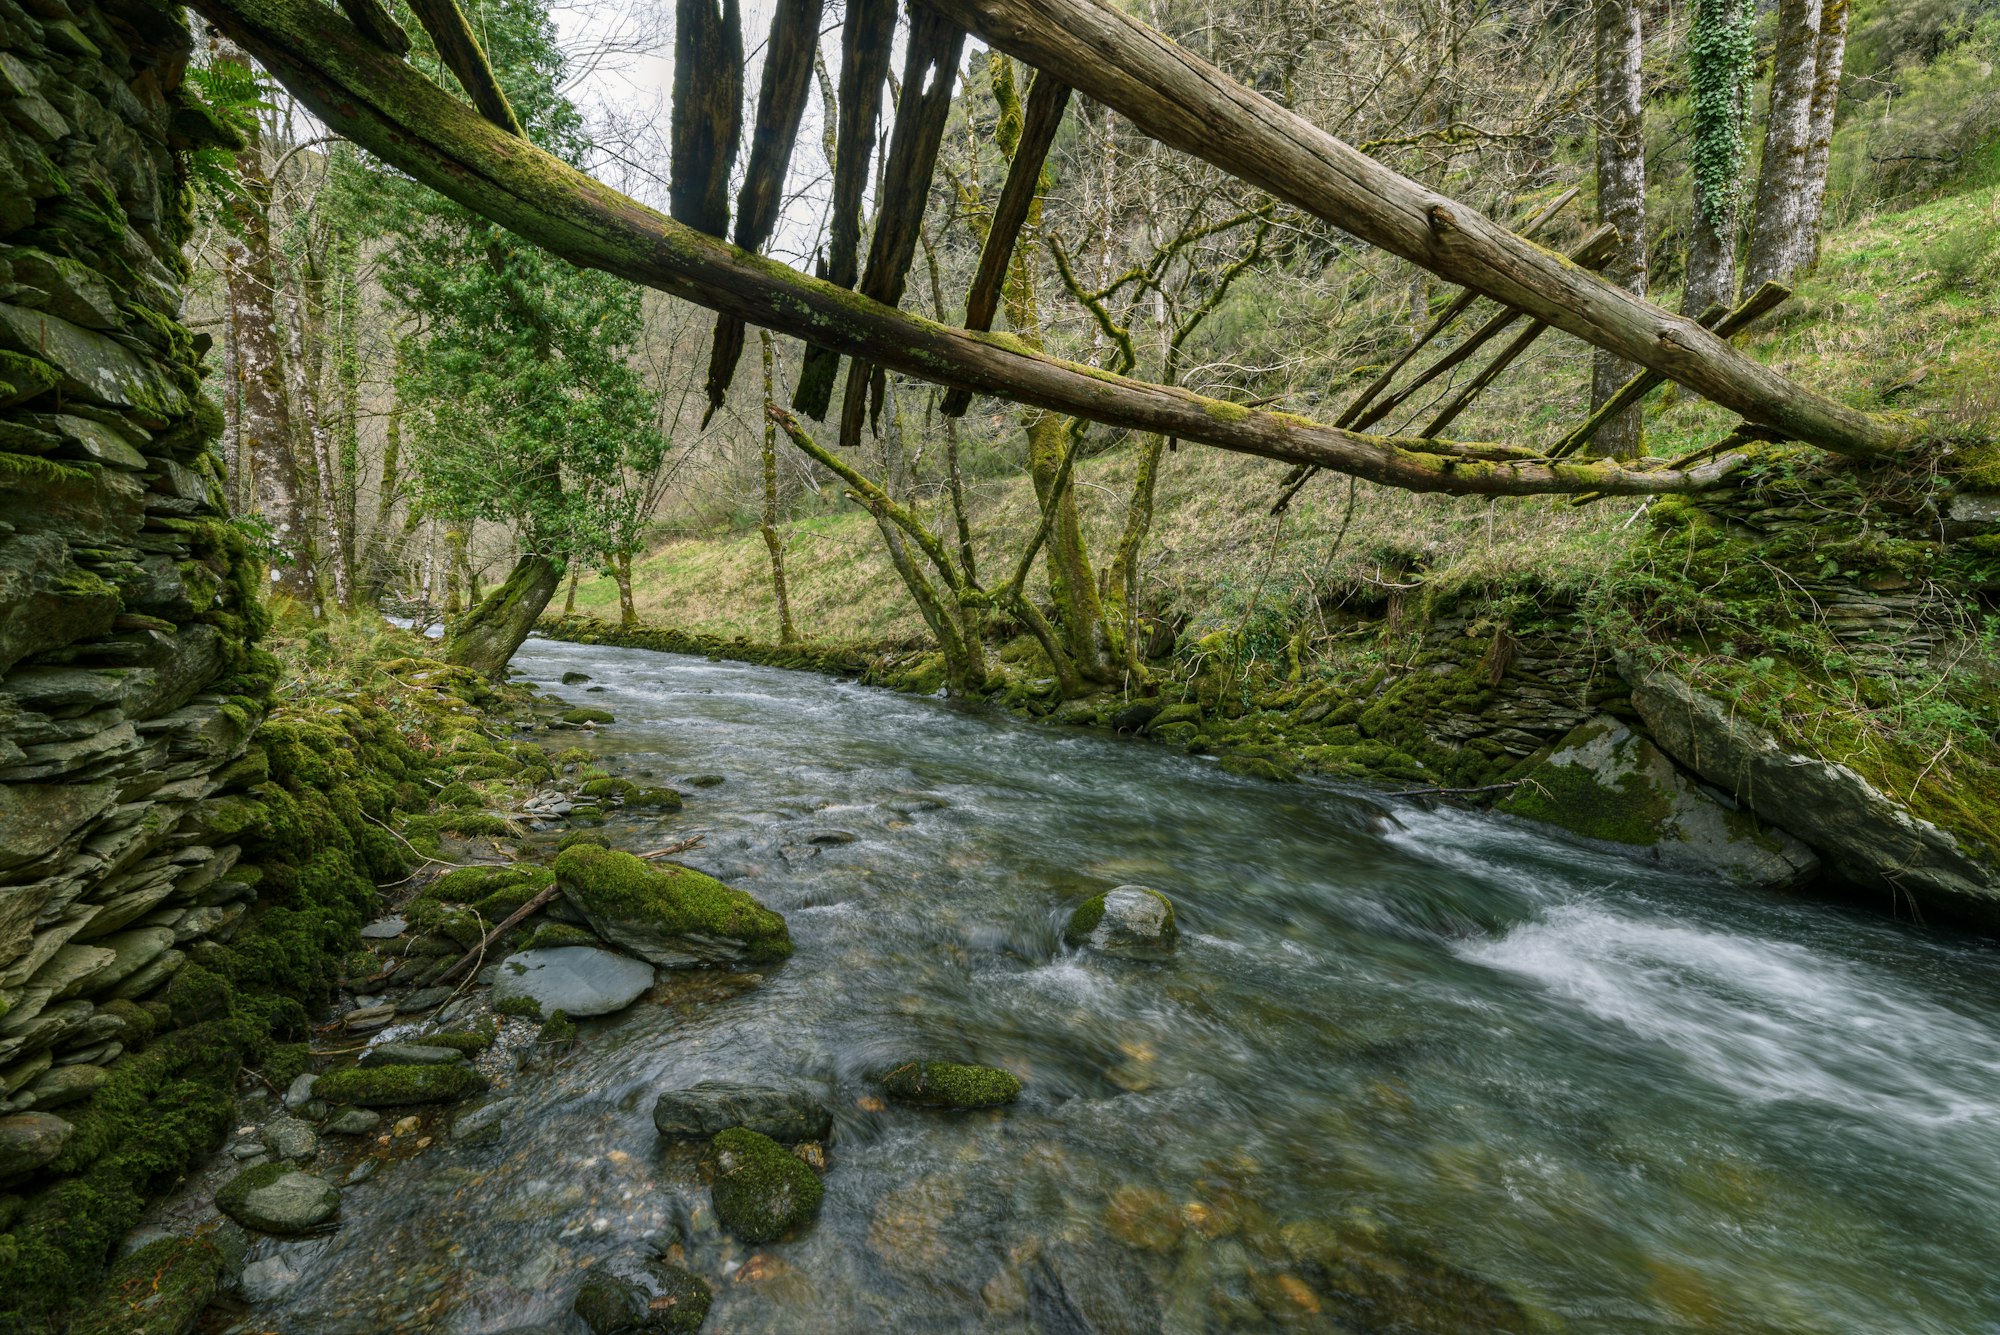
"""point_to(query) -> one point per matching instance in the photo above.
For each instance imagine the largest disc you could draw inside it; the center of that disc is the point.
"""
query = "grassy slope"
(1895, 295)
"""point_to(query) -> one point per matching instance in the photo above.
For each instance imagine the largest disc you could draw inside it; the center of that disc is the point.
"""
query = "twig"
(494, 935)
(678, 846)
(1458, 792)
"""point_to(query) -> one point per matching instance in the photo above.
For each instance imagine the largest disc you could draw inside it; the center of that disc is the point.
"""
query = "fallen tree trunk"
(1178, 98)
(385, 106)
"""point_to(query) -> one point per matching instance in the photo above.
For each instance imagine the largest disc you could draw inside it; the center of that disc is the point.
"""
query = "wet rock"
(1606, 783)
(353, 1122)
(1864, 835)
(1131, 922)
(65, 1085)
(290, 1138)
(787, 1114)
(655, 799)
(282, 1266)
(362, 1019)
(385, 929)
(28, 1140)
(362, 1171)
(277, 1198)
(482, 1125)
(705, 780)
(951, 1085)
(300, 1091)
(579, 980)
(582, 717)
(673, 1302)
(399, 1086)
(158, 1289)
(671, 915)
(410, 1054)
(1372, 1281)
(575, 678)
(424, 999)
(761, 1192)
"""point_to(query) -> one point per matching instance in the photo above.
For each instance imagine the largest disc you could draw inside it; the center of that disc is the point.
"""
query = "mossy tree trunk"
(1777, 244)
(773, 541)
(1621, 198)
(621, 572)
(487, 636)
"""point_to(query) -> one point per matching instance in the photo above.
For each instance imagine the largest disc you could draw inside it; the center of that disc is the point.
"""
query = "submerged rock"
(396, 1086)
(158, 1289)
(699, 1112)
(676, 1303)
(672, 915)
(277, 1198)
(580, 980)
(1605, 782)
(1132, 922)
(761, 1191)
(353, 1122)
(950, 1085)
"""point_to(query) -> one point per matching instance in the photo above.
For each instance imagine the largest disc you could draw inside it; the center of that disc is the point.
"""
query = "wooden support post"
(865, 41)
(1765, 299)
(1172, 94)
(930, 77)
(781, 105)
(1048, 98)
(461, 53)
(386, 107)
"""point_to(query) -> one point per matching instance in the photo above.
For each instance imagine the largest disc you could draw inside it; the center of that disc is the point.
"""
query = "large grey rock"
(1865, 836)
(410, 1054)
(1132, 922)
(581, 980)
(36, 817)
(277, 1198)
(66, 1085)
(784, 1113)
(131, 952)
(1606, 783)
(93, 367)
(29, 1140)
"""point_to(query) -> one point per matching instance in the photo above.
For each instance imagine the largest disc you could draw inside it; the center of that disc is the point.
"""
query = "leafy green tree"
(520, 402)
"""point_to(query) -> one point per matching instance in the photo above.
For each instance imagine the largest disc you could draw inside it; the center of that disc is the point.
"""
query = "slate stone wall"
(128, 690)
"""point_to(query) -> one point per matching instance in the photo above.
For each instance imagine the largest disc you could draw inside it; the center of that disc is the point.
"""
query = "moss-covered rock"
(761, 1191)
(395, 1086)
(951, 1085)
(160, 1289)
(674, 1302)
(671, 915)
(555, 935)
(278, 1198)
(1132, 921)
(580, 717)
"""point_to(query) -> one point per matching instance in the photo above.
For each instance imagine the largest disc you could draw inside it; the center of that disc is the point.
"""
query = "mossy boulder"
(395, 1086)
(671, 915)
(673, 1302)
(278, 1198)
(580, 717)
(951, 1085)
(1131, 922)
(761, 1190)
(655, 799)
(159, 1289)
(700, 1111)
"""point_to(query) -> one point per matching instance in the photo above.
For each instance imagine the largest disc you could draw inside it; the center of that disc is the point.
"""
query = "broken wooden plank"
(462, 55)
(930, 77)
(359, 91)
(708, 111)
(1765, 299)
(1172, 94)
(781, 105)
(865, 42)
(1048, 98)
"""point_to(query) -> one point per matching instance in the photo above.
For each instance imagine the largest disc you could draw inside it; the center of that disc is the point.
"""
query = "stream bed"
(1410, 1070)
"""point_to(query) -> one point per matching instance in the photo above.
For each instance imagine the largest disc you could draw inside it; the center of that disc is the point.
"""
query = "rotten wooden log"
(378, 24)
(1048, 98)
(1765, 299)
(708, 111)
(781, 105)
(359, 91)
(1448, 316)
(930, 77)
(865, 41)
(1172, 94)
(462, 55)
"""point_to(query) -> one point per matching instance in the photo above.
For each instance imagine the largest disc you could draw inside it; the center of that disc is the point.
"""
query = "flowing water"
(1411, 1070)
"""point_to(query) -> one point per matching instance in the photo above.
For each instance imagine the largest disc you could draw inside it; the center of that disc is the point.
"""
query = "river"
(1411, 1070)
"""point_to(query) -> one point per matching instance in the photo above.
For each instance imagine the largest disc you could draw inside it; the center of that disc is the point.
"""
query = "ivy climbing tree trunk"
(487, 636)
(264, 415)
(1721, 59)
(1779, 246)
(1621, 196)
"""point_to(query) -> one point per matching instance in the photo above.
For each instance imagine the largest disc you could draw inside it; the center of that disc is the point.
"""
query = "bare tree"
(1779, 245)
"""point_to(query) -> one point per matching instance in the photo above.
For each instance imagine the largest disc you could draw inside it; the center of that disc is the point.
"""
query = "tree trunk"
(310, 428)
(1721, 60)
(1778, 244)
(569, 598)
(1831, 59)
(457, 573)
(489, 634)
(621, 571)
(384, 554)
(1621, 197)
(787, 633)
(265, 421)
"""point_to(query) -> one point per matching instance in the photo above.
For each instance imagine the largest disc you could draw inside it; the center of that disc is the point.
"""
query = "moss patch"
(396, 1086)
(951, 1085)
(634, 902)
(761, 1191)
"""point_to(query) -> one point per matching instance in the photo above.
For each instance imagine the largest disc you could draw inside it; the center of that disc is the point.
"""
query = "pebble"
(407, 1126)
(363, 1171)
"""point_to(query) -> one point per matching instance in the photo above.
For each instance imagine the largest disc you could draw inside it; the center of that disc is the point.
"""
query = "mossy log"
(463, 56)
(390, 109)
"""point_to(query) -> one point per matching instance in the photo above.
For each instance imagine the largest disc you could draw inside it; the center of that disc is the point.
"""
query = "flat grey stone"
(580, 980)
(353, 1122)
(409, 1054)
(385, 929)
